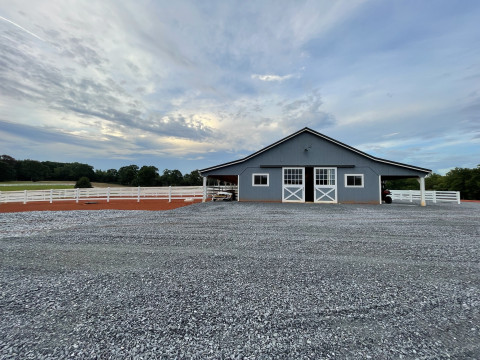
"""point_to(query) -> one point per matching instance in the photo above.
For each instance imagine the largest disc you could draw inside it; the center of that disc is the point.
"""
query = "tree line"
(131, 175)
(465, 180)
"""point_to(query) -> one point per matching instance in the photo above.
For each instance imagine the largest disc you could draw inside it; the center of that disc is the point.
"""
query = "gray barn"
(310, 167)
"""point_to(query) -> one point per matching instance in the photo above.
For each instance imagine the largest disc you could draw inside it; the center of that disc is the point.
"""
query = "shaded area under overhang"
(233, 179)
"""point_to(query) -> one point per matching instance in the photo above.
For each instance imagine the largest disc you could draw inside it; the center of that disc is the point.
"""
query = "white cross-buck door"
(325, 185)
(293, 185)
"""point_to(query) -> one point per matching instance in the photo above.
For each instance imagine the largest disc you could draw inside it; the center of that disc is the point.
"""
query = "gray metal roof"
(306, 129)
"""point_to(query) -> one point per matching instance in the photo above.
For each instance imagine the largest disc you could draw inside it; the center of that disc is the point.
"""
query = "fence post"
(24, 196)
(434, 197)
(51, 196)
(204, 190)
(411, 196)
(77, 194)
(170, 193)
(108, 194)
(138, 194)
(458, 197)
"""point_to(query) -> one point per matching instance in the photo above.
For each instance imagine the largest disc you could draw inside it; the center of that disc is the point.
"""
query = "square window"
(260, 179)
(354, 180)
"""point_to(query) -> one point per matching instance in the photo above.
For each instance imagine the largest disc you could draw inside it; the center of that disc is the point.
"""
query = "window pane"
(358, 180)
(350, 181)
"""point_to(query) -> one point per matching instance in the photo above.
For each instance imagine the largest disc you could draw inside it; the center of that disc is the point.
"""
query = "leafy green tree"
(465, 180)
(193, 179)
(83, 182)
(403, 184)
(435, 182)
(473, 184)
(7, 168)
(52, 165)
(111, 176)
(61, 173)
(32, 170)
(127, 175)
(456, 180)
(72, 171)
(171, 178)
(147, 176)
(100, 175)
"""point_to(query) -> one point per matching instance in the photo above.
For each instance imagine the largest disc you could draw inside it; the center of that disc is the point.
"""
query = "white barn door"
(293, 189)
(325, 185)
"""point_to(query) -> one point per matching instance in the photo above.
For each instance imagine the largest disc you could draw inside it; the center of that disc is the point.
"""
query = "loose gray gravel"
(243, 281)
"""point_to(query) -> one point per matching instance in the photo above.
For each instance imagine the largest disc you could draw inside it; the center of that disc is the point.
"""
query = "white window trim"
(355, 186)
(262, 174)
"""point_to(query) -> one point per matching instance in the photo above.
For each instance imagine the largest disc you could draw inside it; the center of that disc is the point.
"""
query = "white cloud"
(175, 78)
(272, 77)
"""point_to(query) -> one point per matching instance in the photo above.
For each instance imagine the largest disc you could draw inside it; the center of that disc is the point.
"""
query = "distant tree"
(100, 175)
(111, 176)
(464, 180)
(7, 168)
(52, 165)
(435, 182)
(127, 175)
(193, 179)
(32, 170)
(78, 170)
(171, 178)
(403, 184)
(61, 172)
(72, 171)
(473, 184)
(83, 182)
(147, 176)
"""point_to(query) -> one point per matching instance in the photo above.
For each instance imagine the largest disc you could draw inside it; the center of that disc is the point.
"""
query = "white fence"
(434, 196)
(114, 193)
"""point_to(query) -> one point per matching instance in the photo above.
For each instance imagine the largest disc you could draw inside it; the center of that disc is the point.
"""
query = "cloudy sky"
(191, 84)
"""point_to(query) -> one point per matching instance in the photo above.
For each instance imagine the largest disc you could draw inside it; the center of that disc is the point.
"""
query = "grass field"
(45, 185)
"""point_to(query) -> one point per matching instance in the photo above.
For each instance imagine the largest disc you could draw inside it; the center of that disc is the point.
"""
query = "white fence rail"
(434, 196)
(114, 193)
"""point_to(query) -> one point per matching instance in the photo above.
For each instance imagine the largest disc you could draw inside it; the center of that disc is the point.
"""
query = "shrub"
(83, 182)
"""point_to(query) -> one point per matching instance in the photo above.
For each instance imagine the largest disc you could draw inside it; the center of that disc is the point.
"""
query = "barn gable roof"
(306, 129)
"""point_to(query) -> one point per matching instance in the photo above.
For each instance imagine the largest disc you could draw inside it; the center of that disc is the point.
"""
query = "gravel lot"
(242, 280)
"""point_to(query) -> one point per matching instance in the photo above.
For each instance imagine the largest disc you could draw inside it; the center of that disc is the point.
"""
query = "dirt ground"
(151, 205)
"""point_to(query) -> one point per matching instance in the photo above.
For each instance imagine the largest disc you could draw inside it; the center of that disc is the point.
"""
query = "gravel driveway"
(242, 280)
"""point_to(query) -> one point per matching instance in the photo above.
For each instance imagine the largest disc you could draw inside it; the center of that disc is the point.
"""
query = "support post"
(51, 196)
(24, 196)
(108, 194)
(204, 197)
(170, 193)
(138, 194)
(77, 194)
(422, 191)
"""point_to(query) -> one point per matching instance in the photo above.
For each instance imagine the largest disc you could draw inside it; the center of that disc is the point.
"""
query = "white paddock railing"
(114, 193)
(434, 196)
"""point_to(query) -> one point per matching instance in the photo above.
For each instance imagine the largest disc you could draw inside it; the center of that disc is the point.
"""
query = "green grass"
(34, 187)
(45, 185)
